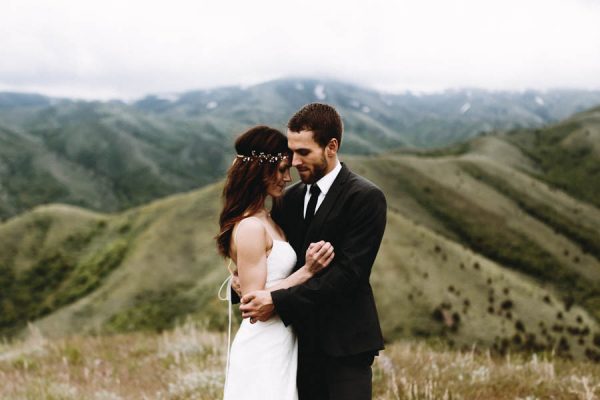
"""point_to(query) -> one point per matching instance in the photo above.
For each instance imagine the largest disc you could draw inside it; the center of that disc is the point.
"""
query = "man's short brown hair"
(322, 119)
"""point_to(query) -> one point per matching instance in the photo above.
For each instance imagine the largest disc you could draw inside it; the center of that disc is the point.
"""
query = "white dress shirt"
(324, 184)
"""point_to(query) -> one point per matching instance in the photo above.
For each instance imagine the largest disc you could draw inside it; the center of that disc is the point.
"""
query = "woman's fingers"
(325, 258)
(325, 255)
(314, 248)
(319, 255)
(329, 259)
(325, 250)
(317, 249)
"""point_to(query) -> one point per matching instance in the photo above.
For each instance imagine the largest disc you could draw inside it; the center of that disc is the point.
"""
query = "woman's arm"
(252, 260)
(318, 257)
(251, 251)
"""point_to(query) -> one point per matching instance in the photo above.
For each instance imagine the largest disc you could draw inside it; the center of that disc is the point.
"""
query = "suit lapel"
(325, 208)
(293, 207)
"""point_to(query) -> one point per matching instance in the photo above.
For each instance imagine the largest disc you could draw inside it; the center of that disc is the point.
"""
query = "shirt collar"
(325, 182)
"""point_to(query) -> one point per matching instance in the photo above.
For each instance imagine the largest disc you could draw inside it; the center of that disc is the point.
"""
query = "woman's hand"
(318, 256)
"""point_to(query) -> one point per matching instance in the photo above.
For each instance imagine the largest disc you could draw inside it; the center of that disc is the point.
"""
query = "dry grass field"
(188, 363)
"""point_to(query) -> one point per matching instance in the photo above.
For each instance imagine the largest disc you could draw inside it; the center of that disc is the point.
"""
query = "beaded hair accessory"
(262, 157)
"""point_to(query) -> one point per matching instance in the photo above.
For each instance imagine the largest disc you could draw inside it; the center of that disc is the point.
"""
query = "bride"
(263, 359)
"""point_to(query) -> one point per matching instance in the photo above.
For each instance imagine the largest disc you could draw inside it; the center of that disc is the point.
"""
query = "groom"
(334, 313)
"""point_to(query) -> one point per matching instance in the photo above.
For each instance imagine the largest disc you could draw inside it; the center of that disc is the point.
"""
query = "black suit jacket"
(334, 312)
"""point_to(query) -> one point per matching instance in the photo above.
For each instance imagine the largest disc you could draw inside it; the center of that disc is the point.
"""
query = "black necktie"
(312, 203)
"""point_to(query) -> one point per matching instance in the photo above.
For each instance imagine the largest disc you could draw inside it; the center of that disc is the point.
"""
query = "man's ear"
(332, 147)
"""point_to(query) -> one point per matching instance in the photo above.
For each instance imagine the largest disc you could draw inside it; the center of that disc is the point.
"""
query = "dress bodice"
(280, 262)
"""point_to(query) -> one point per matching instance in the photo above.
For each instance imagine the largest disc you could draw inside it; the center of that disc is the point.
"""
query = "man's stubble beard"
(318, 173)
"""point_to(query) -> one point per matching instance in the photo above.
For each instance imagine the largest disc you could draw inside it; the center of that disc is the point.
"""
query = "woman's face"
(280, 179)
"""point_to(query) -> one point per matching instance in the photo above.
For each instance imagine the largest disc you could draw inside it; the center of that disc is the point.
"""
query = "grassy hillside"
(574, 142)
(139, 269)
(111, 156)
(479, 248)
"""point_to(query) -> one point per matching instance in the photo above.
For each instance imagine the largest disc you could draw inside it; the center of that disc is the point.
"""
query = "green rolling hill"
(490, 242)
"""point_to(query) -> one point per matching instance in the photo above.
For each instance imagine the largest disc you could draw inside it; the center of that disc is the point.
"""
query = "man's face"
(309, 158)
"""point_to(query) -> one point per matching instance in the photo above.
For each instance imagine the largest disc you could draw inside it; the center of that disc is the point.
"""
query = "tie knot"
(314, 189)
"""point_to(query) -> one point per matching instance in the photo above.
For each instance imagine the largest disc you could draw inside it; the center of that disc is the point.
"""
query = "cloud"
(127, 49)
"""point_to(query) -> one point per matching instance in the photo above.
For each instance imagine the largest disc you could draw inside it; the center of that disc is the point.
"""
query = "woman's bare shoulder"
(250, 228)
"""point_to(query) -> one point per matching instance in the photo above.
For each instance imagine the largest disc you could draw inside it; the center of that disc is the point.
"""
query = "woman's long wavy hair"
(247, 181)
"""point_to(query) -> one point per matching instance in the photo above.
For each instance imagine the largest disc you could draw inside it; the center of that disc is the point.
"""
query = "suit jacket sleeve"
(355, 253)
(235, 299)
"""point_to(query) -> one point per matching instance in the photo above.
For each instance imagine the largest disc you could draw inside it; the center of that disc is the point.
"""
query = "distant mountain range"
(108, 156)
(494, 241)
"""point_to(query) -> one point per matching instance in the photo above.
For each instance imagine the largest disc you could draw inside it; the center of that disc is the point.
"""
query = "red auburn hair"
(248, 178)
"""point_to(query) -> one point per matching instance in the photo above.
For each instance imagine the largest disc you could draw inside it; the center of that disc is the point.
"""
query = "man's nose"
(296, 160)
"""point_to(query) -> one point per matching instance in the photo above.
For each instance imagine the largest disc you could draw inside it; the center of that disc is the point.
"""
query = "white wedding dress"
(264, 355)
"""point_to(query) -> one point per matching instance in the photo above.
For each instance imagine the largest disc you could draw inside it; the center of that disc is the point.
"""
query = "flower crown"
(263, 157)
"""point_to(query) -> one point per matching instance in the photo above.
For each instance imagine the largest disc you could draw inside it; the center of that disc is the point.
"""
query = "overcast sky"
(128, 48)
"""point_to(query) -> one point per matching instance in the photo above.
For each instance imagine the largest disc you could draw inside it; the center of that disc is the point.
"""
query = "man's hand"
(258, 306)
